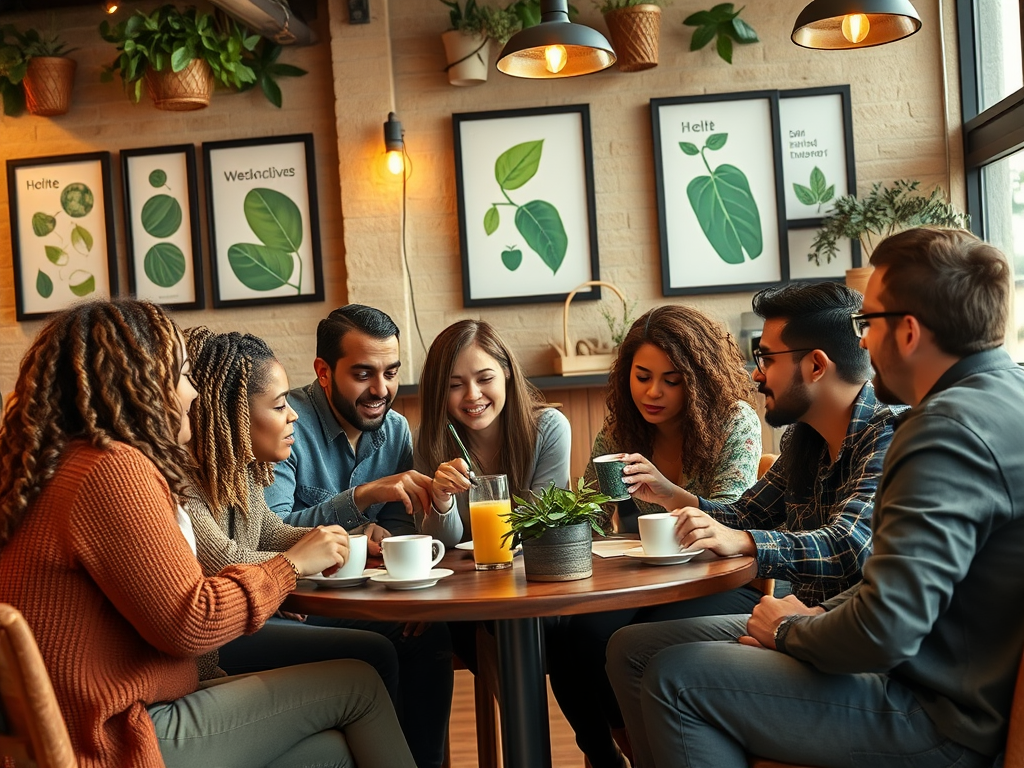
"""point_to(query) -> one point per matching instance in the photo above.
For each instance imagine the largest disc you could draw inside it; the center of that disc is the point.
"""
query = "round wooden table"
(517, 606)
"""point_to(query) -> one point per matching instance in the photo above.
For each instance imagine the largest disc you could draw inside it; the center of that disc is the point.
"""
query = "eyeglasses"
(861, 323)
(758, 355)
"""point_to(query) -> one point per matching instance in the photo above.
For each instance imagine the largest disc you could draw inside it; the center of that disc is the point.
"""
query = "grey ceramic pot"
(560, 554)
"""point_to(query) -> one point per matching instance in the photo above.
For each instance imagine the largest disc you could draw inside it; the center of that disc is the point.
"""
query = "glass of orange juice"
(489, 508)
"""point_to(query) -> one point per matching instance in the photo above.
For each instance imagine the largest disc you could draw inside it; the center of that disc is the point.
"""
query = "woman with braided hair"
(91, 469)
(241, 425)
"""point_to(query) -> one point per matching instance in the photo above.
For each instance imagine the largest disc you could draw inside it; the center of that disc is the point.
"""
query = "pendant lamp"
(555, 47)
(841, 24)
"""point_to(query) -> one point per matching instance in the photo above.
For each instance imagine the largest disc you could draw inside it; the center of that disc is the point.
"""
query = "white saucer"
(674, 559)
(467, 546)
(389, 581)
(335, 582)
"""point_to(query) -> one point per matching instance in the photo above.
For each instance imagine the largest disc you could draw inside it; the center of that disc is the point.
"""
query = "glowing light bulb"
(556, 58)
(395, 162)
(111, 6)
(856, 27)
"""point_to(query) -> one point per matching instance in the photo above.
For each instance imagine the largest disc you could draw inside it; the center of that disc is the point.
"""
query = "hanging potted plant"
(466, 44)
(882, 212)
(723, 25)
(635, 27)
(556, 527)
(35, 73)
(179, 54)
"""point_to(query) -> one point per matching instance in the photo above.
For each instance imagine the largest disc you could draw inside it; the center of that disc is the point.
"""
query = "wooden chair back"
(35, 732)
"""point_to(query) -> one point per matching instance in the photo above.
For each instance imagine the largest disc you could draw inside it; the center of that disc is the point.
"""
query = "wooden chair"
(36, 735)
(485, 699)
(765, 586)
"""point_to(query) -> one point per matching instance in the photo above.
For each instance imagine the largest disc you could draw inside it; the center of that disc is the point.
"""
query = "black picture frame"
(701, 251)
(556, 162)
(158, 248)
(61, 229)
(277, 176)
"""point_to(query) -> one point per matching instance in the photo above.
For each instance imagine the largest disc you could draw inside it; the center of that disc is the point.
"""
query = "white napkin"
(613, 547)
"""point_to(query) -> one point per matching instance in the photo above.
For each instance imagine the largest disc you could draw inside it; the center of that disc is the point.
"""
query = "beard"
(883, 392)
(349, 410)
(791, 405)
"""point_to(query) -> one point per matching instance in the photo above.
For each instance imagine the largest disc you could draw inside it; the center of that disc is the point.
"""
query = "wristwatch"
(780, 631)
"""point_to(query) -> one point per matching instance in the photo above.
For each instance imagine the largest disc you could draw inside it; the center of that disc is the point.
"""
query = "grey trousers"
(691, 696)
(333, 714)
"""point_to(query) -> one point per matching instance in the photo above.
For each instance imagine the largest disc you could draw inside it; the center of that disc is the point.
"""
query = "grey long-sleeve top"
(941, 604)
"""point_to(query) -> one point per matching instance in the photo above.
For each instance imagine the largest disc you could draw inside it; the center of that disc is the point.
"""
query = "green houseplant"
(35, 72)
(555, 528)
(179, 54)
(723, 25)
(635, 27)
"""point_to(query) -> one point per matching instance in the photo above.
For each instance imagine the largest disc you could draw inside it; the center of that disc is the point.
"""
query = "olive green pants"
(332, 714)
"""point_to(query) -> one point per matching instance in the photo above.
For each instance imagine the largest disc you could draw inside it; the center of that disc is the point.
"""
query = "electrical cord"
(405, 253)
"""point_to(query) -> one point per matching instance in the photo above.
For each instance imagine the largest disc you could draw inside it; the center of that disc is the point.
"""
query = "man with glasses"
(916, 664)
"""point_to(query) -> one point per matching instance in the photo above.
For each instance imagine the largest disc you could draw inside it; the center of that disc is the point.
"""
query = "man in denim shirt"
(352, 465)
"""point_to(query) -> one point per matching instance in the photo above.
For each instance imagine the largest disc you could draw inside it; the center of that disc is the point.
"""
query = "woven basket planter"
(635, 31)
(559, 554)
(181, 91)
(48, 83)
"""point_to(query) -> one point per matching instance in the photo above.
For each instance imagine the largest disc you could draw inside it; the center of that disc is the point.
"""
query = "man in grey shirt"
(916, 664)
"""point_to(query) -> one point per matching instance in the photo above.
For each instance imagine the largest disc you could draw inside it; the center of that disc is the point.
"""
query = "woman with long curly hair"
(472, 380)
(95, 555)
(242, 425)
(680, 410)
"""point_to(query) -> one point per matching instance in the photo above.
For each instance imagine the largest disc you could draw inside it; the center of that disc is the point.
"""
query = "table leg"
(525, 733)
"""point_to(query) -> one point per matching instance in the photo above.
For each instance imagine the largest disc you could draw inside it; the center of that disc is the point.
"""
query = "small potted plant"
(35, 73)
(882, 212)
(556, 527)
(635, 27)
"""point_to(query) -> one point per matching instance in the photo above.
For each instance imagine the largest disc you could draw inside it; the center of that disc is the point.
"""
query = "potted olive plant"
(35, 73)
(635, 27)
(555, 528)
(882, 212)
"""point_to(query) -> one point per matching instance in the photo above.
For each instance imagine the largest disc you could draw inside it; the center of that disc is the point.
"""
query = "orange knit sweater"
(118, 602)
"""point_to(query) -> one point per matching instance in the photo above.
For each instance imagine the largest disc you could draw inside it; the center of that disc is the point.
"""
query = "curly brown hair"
(713, 377)
(102, 371)
(228, 369)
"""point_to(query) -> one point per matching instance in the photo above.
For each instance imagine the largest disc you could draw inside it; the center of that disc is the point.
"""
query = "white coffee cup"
(356, 562)
(411, 557)
(658, 533)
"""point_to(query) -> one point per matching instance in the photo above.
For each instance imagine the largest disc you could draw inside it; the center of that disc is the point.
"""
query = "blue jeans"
(691, 696)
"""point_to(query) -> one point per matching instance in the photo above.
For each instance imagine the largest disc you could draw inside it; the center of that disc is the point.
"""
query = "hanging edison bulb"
(856, 27)
(555, 58)
(395, 162)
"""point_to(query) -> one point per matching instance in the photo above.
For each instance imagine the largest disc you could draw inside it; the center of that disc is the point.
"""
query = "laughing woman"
(93, 554)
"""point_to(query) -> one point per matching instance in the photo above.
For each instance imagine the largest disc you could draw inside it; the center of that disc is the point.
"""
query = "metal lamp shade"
(820, 24)
(586, 49)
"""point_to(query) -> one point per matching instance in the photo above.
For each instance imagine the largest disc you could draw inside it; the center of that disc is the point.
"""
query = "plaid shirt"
(817, 537)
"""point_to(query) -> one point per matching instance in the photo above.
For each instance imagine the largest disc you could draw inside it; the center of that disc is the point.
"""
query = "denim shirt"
(315, 485)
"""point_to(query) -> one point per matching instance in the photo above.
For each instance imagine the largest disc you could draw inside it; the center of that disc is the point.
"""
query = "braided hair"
(101, 371)
(228, 369)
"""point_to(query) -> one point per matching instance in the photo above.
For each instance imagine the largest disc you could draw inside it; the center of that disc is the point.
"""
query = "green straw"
(465, 453)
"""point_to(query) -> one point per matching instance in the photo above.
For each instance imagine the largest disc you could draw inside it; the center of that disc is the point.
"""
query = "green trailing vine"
(723, 25)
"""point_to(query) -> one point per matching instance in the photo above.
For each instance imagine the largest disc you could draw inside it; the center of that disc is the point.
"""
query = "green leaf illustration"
(274, 219)
(56, 255)
(716, 140)
(539, 223)
(512, 257)
(82, 283)
(81, 239)
(161, 216)
(44, 285)
(804, 195)
(829, 193)
(688, 148)
(491, 220)
(164, 264)
(516, 166)
(727, 213)
(157, 178)
(43, 224)
(260, 267)
(77, 200)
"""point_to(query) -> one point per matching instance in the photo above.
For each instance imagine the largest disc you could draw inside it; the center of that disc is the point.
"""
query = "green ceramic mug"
(609, 475)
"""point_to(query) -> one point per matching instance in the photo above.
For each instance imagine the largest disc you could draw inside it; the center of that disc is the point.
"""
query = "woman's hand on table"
(451, 477)
(646, 483)
(695, 528)
(323, 548)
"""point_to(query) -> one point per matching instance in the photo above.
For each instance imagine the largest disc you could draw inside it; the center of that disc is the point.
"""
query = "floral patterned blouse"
(733, 473)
